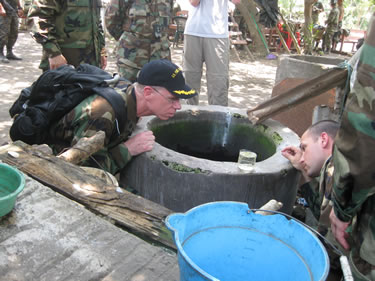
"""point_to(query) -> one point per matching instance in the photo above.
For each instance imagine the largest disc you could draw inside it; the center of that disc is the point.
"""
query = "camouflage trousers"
(74, 57)
(327, 40)
(361, 270)
(8, 31)
(134, 52)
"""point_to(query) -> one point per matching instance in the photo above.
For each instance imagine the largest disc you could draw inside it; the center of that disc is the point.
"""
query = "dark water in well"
(218, 139)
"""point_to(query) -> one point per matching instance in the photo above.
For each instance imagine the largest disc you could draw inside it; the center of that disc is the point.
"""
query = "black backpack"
(55, 93)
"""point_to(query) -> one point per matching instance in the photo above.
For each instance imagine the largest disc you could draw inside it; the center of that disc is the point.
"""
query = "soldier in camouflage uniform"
(158, 91)
(70, 32)
(353, 215)
(313, 160)
(140, 27)
(332, 25)
(317, 8)
(9, 28)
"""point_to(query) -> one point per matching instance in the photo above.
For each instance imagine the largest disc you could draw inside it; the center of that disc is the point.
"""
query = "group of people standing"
(72, 32)
(332, 23)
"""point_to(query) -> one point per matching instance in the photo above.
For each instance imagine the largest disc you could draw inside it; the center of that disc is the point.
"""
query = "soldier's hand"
(103, 61)
(57, 61)
(293, 154)
(3, 13)
(140, 143)
(20, 13)
(339, 230)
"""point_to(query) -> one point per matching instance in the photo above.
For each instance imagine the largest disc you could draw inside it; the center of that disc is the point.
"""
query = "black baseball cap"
(164, 73)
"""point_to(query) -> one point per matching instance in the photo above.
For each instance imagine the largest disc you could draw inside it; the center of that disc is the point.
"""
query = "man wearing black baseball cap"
(160, 86)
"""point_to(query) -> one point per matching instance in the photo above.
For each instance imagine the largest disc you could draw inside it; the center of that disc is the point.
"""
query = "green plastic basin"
(12, 183)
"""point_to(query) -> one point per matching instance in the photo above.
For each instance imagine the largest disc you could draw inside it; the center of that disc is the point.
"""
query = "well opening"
(216, 136)
(194, 160)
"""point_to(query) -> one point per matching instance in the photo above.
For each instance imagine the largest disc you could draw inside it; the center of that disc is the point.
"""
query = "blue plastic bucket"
(227, 241)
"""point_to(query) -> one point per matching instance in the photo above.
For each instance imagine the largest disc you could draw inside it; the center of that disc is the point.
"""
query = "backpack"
(57, 92)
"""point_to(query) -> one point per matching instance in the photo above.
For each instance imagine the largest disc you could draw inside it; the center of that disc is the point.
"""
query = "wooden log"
(84, 148)
(283, 41)
(135, 213)
(291, 35)
(335, 77)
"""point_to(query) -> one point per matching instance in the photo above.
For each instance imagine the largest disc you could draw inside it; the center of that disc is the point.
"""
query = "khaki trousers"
(214, 52)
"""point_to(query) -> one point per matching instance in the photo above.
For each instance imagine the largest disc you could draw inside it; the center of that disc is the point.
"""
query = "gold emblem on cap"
(175, 72)
(186, 93)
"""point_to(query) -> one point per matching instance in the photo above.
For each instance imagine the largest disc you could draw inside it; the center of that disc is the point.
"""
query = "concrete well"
(292, 71)
(195, 160)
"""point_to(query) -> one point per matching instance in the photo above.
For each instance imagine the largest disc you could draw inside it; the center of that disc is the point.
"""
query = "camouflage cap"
(164, 73)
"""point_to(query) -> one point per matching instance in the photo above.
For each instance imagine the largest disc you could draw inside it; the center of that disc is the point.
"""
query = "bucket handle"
(345, 267)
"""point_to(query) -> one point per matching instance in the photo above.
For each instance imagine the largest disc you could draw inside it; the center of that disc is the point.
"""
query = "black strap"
(117, 103)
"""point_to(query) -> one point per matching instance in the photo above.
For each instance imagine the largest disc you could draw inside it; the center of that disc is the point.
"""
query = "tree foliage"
(357, 13)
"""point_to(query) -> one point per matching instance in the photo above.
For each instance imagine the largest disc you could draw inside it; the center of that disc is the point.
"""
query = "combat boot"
(3, 59)
(11, 56)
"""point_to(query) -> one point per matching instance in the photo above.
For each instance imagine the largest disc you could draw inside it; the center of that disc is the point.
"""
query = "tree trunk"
(308, 38)
(248, 11)
(340, 4)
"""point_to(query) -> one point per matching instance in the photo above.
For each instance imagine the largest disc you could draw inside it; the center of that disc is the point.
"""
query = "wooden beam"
(137, 214)
(291, 35)
(283, 41)
(335, 77)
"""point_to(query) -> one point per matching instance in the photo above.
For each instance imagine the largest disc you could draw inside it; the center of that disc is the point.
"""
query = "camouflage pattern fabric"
(317, 193)
(316, 10)
(332, 24)
(354, 161)
(140, 26)
(72, 28)
(9, 25)
(96, 114)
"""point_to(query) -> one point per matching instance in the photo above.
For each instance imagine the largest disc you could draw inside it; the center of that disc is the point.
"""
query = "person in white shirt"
(207, 40)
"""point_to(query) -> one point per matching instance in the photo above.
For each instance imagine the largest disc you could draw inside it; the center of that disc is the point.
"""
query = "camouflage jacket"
(68, 24)
(316, 10)
(353, 155)
(333, 20)
(145, 19)
(317, 193)
(96, 114)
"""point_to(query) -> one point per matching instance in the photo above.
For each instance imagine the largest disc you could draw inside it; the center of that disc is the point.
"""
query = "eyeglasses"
(170, 100)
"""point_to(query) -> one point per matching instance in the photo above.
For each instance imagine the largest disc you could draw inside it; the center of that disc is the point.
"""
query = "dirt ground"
(250, 82)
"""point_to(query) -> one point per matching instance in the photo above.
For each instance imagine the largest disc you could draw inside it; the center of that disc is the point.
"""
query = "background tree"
(307, 28)
(249, 11)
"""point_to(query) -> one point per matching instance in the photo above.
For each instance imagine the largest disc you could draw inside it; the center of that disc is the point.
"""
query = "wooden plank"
(291, 35)
(235, 33)
(283, 41)
(231, 24)
(137, 214)
(336, 77)
(238, 42)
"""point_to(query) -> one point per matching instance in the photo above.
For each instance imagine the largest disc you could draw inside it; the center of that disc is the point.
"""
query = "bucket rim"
(21, 185)
(203, 273)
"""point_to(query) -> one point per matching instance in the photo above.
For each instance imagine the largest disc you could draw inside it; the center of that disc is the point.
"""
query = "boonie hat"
(164, 73)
